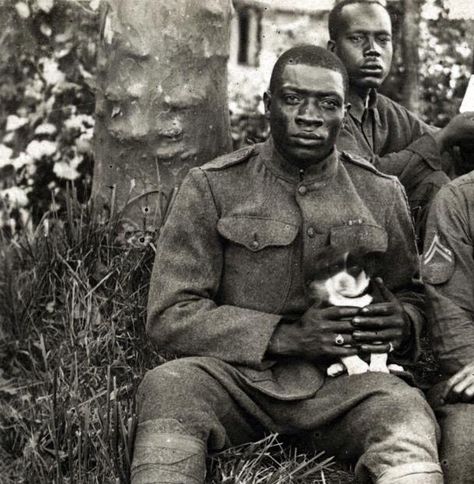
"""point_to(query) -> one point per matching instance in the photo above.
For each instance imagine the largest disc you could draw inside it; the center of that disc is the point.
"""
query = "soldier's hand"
(459, 129)
(381, 327)
(460, 387)
(320, 333)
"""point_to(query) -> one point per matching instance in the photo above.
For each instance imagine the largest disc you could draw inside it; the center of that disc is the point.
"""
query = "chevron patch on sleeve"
(437, 265)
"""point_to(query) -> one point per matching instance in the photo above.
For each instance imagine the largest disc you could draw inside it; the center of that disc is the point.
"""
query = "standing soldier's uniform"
(234, 258)
(398, 143)
(448, 272)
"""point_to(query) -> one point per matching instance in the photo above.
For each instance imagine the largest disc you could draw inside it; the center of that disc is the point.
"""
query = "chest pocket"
(359, 239)
(258, 254)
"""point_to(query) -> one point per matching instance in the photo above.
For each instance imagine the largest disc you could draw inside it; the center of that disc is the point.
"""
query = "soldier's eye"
(291, 99)
(384, 39)
(330, 104)
(356, 38)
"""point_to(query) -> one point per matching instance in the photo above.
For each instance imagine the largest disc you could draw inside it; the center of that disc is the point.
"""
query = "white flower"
(94, 4)
(37, 149)
(14, 122)
(5, 153)
(51, 72)
(80, 121)
(21, 160)
(16, 196)
(46, 128)
(62, 169)
(22, 9)
(45, 5)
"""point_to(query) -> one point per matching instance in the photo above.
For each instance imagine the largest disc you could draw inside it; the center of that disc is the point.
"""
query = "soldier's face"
(306, 110)
(364, 44)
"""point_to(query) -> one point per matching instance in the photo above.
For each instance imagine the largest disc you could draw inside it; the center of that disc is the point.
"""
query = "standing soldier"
(395, 140)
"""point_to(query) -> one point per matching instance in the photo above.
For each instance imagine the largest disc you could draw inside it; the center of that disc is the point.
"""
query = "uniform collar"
(370, 107)
(276, 163)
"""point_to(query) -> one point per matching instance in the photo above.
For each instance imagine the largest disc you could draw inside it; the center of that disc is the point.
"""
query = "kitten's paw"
(378, 362)
(395, 367)
(355, 365)
(336, 369)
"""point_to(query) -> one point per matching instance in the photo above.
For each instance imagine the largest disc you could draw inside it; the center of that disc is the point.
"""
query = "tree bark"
(161, 105)
(411, 58)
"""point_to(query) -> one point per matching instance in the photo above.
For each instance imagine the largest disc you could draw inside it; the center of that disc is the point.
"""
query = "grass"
(73, 350)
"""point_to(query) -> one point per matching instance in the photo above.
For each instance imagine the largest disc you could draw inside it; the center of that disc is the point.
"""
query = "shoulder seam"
(361, 162)
(229, 159)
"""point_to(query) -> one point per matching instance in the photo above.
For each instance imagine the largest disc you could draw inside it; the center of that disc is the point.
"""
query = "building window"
(249, 33)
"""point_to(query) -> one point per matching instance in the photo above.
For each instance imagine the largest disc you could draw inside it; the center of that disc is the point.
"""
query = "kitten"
(341, 281)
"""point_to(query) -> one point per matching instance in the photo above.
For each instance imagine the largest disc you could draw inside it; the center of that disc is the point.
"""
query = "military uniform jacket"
(237, 250)
(448, 272)
(395, 140)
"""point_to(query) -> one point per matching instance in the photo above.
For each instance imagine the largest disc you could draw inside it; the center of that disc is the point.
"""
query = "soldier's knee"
(171, 387)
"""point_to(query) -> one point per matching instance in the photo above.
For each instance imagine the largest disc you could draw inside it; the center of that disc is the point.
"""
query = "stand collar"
(277, 164)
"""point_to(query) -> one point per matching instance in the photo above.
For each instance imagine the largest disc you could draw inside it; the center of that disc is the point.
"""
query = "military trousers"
(376, 420)
(457, 437)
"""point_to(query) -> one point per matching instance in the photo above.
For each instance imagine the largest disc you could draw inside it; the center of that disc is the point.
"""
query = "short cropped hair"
(310, 55)
(335, 15)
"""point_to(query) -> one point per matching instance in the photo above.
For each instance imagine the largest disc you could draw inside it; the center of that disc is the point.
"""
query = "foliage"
(47, 67)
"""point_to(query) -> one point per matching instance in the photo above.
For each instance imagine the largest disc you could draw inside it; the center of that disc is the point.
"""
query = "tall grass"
(73, 350)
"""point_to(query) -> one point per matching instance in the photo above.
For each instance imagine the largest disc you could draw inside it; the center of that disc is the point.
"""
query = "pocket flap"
(359, 239)
(257, 233)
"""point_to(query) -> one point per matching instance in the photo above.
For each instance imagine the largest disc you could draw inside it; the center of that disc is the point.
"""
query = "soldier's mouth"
(308, 139)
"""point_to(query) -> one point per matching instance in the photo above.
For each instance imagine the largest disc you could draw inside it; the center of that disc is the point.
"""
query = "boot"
(167, 458)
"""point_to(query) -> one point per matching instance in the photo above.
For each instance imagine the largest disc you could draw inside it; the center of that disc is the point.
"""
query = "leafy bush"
(47, 66)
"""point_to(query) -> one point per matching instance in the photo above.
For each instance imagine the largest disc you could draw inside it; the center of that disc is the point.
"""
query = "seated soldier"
(229, 294)
(448, 272)
(394, 139)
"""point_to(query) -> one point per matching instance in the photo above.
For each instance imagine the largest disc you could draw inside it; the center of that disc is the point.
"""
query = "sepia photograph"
(237, 241)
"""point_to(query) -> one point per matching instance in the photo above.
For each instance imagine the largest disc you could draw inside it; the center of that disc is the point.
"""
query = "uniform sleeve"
(183, 317)
(401, 271)
(409, 152)
(448, 272)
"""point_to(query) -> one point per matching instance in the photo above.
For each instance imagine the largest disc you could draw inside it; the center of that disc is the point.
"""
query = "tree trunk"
(410, 41)
(161, 103)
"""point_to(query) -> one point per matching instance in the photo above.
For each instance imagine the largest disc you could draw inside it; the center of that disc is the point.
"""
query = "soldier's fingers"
(461, 386)
(468, 394)
(341, 326)
(341, 351)
(378, 322)
(374, 348)
(379, 309)
(384, 290)
(374, 336)
(338, 312)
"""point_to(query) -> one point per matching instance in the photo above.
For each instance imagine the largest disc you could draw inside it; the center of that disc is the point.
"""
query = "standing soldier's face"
(306, 110)
(364, 44)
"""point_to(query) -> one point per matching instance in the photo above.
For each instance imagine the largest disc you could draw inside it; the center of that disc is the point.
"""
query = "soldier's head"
(360, 33)
(305, 103)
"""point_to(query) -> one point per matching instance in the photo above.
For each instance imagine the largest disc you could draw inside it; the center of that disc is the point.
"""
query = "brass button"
(310, 231)
(302, 190)
(255, 244)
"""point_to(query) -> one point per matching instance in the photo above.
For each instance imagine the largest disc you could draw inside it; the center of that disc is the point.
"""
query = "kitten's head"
(340, 279)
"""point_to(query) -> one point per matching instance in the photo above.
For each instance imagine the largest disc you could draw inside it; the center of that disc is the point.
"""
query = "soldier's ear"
(331, 45)
(347, 108)
(267, 101)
